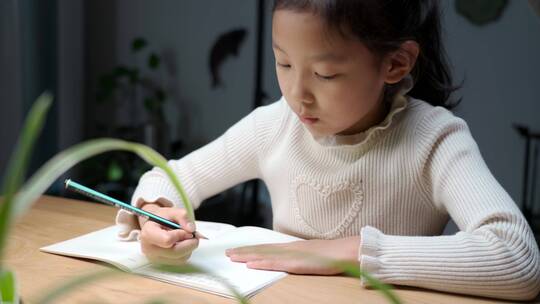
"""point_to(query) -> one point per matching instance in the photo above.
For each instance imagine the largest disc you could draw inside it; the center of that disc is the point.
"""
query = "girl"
(361, 158)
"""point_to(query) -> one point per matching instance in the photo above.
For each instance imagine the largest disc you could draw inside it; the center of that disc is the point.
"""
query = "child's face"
(334, 84)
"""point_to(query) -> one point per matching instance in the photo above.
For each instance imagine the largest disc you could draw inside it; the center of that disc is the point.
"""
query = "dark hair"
(382, 25)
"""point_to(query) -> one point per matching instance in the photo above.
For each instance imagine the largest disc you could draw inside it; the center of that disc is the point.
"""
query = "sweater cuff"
(150, 190)
(369, 253)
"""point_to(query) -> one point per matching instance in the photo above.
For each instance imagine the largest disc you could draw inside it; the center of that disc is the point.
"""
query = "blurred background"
(176, 74)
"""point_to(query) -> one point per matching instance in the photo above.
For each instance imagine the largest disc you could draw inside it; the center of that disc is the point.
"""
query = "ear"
(401, 62)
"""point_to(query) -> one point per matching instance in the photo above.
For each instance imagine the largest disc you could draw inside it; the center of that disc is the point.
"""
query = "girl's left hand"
(300, 257)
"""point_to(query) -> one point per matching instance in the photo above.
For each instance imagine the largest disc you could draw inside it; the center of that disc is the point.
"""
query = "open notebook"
(103, 245)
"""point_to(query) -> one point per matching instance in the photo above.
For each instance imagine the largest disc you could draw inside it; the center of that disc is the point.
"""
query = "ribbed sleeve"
(493, 255)
(229, 160)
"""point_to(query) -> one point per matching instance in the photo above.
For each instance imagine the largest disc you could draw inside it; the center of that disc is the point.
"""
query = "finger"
(178, 251)
(244, 250)
(259, 249)
(179, 215)
(246, 257)
(186, 245)
(169, 261)
(154, 234)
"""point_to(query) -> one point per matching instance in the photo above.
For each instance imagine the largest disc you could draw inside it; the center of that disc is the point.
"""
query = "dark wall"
(28, 58)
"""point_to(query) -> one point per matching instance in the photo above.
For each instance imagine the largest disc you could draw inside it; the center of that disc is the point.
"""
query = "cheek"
(366, 92)
(282, 82)
(351, 100)
(349, 94)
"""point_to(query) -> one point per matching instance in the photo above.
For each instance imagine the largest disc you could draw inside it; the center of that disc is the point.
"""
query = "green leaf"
(348, 268)
(134, 76)
(64, 288)
(121, 70)
(18, 163)
(107, 85)
(352, 269)
(149, 104)
(153, 61)
(114, 172)
(107, 81)
(188, 268)
(156, 302)
(161, 95)
(64, 160)
(53, 295)
(8, 287)
(138, 44)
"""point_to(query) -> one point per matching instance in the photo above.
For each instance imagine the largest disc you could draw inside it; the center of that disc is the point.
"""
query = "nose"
(301, 91)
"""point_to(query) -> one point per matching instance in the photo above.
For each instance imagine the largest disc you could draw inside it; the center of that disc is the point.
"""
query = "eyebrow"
(319, 57)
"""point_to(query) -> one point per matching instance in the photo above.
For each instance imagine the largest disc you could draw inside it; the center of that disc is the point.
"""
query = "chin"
(318, 133)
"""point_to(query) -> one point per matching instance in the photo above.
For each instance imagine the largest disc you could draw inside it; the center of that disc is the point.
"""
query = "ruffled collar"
(398, 104)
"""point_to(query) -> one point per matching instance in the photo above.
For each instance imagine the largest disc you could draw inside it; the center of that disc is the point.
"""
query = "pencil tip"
(200, 236)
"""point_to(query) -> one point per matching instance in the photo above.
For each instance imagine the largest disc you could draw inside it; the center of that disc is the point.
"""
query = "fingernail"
(191, 226)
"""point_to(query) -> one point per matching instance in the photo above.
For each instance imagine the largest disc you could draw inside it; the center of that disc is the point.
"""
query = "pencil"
(76, 187)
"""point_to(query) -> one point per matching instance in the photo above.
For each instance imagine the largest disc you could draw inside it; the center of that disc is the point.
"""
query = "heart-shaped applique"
(325, 210)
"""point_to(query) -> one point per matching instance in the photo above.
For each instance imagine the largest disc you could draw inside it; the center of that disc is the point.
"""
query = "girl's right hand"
(163, 245)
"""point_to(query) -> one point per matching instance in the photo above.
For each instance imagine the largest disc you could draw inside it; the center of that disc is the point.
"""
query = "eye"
(326, 77)
(282, 65)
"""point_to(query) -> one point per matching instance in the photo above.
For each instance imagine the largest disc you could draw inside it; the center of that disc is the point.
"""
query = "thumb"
(180, 216)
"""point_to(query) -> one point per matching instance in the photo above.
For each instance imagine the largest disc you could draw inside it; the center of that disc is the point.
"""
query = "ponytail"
(432, 75)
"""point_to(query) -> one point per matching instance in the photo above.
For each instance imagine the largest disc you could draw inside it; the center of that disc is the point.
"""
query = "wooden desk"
(55, 219)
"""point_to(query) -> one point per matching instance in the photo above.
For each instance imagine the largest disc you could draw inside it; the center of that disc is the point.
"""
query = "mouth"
(308, 119)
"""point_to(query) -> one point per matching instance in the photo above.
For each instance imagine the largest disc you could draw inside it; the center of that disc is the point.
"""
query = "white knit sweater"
(395, 185)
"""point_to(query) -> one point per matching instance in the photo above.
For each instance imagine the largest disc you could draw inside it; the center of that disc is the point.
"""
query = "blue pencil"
(76, 187)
